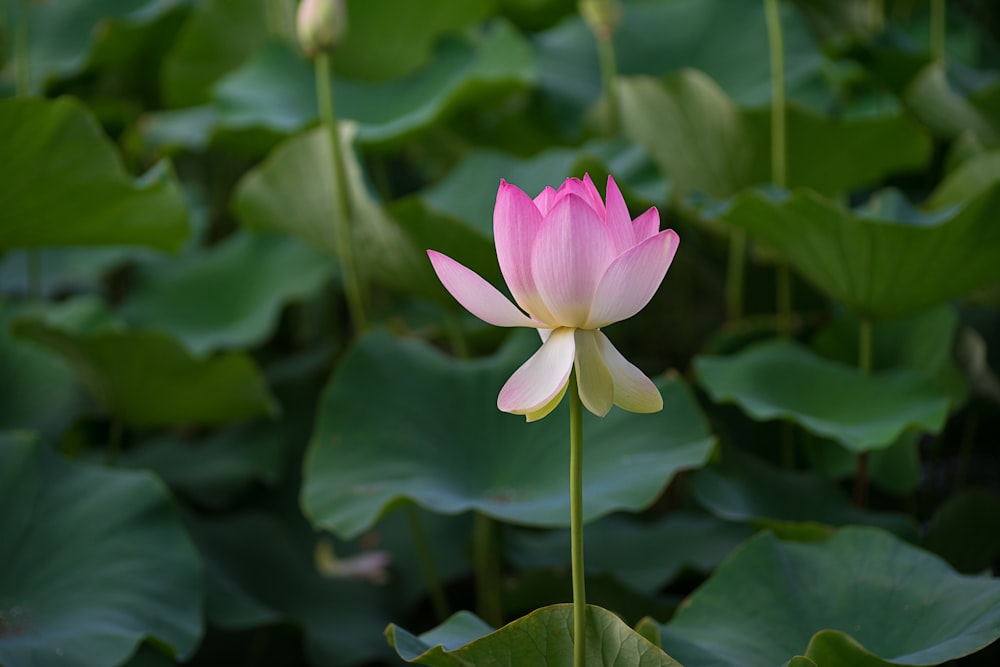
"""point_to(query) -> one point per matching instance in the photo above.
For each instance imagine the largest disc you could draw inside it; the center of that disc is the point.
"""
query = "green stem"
(939, 29)
(576, 522)
(438, 600)
(342, 196)
(865, 366)
(22, 71)
(734, 275)
(609, 82)
(486, 554)
(877, 9)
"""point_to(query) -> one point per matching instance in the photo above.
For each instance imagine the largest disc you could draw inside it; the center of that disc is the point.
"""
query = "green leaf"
(449, 449)
(94, 562)
(540, 639)
(208, 299)
(747, 489)
(946, 112)
(63, 183)
(830, 648)
(290, 192)
(879, 267)
(965, 530)
(705, 144)
(146, 378)
(783, 380)
(766, 601)
(261, 570)
(969, 180)
(276, 88)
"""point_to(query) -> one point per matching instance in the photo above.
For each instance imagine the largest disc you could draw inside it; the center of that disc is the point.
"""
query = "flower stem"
(865, 366)
(734, 275)
(342, 196)
(939, 29)
(576, 522)
(486, 554)
(609, 82)
(436, 591)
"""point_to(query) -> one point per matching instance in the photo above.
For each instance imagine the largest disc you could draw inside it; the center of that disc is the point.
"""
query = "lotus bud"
(320, 25)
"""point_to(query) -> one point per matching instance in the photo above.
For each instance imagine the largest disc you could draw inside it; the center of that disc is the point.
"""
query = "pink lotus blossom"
(573, 265)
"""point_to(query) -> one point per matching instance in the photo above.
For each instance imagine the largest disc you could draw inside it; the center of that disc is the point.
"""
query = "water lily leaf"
(765, 603)
(209, 300)
(39, 393)
(830, 648)
(540, 639)
(131, 574)
(747, 489)
(779, 379)
(450, 450)
(879, 267)
(705, 144)
(645, 556)
(147, 378)
(276, 88)
(965, 530)
(63, 183)
(290, 192)
(261, 570)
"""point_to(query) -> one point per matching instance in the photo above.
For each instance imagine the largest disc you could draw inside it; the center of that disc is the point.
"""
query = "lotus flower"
(573, 265)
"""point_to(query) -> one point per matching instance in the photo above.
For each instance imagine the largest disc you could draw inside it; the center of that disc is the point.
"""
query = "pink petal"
(516, 221)
(584, 189)
(476, 295)
(631, 280)
(618, 219)
(544, 200)
(571, 253)
(596, 386)
(646, 225)
(540, 378)
(633, 390)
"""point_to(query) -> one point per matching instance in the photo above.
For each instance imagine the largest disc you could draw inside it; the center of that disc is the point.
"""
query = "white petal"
(633, 390)
(476, 295)
(597, 388)
(631, 280)
(540, 378)
(547, 408)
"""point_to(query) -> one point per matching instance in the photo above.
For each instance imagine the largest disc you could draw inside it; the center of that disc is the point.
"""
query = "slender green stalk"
(436, 590)
(342, 195)
(939, 29)
(865, 366)
(22, 71)
(877, 10)
(486, 554)
(576, 522)
(735, 270)
(609, 83)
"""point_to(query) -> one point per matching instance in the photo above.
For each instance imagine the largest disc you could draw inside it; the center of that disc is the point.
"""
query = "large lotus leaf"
(965, 530)
(229, 296)
(541, 639)
(449, 449)
(39, 391)
(879, 267)
(780, 379)
(261, 570)
(971, 178)
(897, 470)
(947, 112)
(725, 39)
(291, 192)
(63, 183)
(747, 489)
(60, 270)
(705, 144)
(765, 603)
(217, 37)
(643, 555)
(469, 190)
(215, 470)
(94, 561)
(147, 378)
(62, 35)
(276, 88)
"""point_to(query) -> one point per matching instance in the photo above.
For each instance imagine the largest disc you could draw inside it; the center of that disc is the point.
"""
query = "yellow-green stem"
(877, 9)
(436, 591)
(734, 275)
(865, 366)
(609, 83)
(939, 29)
(576, 522)
(342, 195)
(486, 555)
